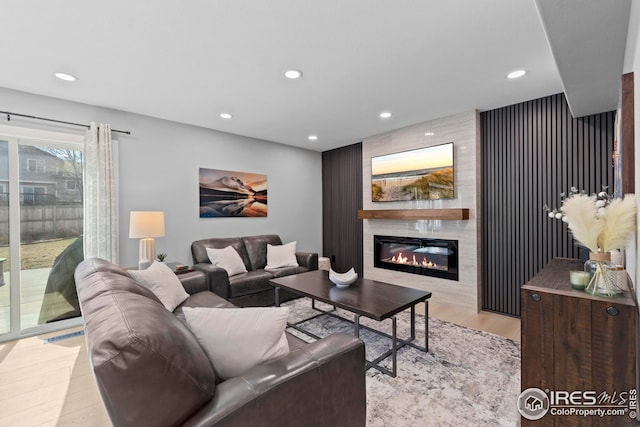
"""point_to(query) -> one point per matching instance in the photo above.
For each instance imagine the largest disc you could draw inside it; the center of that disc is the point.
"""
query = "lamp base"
(147, 253)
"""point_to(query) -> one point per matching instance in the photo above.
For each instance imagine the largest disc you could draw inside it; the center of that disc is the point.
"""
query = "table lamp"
(145, 225)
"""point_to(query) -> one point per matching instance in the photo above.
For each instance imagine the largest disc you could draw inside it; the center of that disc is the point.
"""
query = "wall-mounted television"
(422, 174)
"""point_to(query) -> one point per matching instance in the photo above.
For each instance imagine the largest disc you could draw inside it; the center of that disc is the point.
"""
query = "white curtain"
(100, 202)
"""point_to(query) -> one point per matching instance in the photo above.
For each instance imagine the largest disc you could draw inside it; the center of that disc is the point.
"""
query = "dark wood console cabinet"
(572, 341)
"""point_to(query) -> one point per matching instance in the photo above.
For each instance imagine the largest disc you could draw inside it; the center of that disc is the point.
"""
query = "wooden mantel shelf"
(414, 214)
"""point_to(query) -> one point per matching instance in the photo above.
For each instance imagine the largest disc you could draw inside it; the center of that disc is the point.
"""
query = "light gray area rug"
(468, 378)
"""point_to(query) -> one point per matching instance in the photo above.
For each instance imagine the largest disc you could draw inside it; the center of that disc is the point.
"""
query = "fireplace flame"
(400, 259)
(429, 264)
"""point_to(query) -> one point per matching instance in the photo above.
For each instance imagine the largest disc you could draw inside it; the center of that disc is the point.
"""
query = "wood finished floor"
(52, 384)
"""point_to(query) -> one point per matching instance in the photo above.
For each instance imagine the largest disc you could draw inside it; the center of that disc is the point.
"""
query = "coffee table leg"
(394, 345)
(413, 322)
(277, 296)
(426, 326)
(356, 325)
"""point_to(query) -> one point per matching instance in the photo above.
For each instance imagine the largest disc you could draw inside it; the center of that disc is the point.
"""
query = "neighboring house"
(44, 177)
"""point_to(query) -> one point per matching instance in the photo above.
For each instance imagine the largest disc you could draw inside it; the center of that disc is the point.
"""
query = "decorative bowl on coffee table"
(343, 280)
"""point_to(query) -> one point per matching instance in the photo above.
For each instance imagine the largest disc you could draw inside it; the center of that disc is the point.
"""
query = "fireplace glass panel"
(430, 257)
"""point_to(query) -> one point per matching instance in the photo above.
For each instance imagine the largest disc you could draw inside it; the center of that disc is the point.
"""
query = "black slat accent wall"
(532, 152)
(341, 199)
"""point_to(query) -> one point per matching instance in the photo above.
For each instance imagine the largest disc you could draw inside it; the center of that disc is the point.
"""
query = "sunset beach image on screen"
(421, 174)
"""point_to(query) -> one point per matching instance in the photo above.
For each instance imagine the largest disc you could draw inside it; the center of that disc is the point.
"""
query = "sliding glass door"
(5, 255)
(41, 219)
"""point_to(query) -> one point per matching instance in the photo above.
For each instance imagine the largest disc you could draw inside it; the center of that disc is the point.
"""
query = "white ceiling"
(188, 61)
(590, 56)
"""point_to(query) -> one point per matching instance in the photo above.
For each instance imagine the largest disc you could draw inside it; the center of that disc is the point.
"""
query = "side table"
(176, 267)
(324, 263)
(192, 280)
(179, 268)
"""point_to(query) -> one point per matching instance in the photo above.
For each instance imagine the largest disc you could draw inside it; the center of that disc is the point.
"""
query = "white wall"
(632, 64)
(158, 170)
(463, 130)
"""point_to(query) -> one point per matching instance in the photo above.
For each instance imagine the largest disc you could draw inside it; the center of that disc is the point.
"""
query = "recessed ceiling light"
(385, 115)
(66, 77)
(313, 137)
(429, 134)
(516, 74)
(225, 116)
(293, 74)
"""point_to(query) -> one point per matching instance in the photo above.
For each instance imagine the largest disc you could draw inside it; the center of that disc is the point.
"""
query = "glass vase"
(604, 277)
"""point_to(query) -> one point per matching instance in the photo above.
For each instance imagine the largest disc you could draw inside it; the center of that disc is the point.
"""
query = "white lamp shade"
(143, 224)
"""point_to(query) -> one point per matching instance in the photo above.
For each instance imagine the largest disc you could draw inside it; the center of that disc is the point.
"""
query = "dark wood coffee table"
(368, 298)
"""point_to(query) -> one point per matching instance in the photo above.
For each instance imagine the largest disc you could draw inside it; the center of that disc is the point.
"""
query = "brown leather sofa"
(151, 370)
(251, 288)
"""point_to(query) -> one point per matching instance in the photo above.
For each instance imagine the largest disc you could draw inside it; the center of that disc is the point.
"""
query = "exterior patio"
(34, 283)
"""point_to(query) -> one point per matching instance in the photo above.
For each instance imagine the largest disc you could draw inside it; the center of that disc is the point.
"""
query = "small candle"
(579, 279)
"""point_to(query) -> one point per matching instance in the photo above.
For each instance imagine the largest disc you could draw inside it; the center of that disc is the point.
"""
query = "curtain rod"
(9, 114)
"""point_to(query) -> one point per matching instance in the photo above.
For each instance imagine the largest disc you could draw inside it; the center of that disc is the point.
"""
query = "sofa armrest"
(194, 282)
(307, 259)
(321, 384)
(217, 278)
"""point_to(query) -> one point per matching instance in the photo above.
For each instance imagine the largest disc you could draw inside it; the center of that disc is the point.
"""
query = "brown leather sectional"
(151, 370)
(250, 289)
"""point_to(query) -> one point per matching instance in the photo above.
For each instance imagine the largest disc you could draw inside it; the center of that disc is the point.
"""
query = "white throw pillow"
(163, 283)
(237, 339)
(227, 258)
(281, 256)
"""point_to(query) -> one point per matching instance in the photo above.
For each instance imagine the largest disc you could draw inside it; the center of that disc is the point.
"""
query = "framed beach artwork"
(232, 194)
(422, 174)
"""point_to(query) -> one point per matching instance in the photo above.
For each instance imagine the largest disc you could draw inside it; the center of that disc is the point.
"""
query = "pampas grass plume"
(584, 223)
(619, 222)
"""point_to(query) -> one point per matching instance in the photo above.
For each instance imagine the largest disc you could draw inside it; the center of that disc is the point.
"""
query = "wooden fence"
(43, 222)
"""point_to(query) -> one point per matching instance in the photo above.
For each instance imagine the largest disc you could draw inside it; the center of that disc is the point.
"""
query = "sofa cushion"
(163, 282)
(201, 299)
(250, 282)
(279, 256)
(295, 343)
(257, 249)
(90, 266)
(237, 339)
(141, 369)
(227, 259)
(199, 249)
(288, 271)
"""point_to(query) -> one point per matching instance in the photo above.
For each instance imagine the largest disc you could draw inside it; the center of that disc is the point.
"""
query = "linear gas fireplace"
(429, 257)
